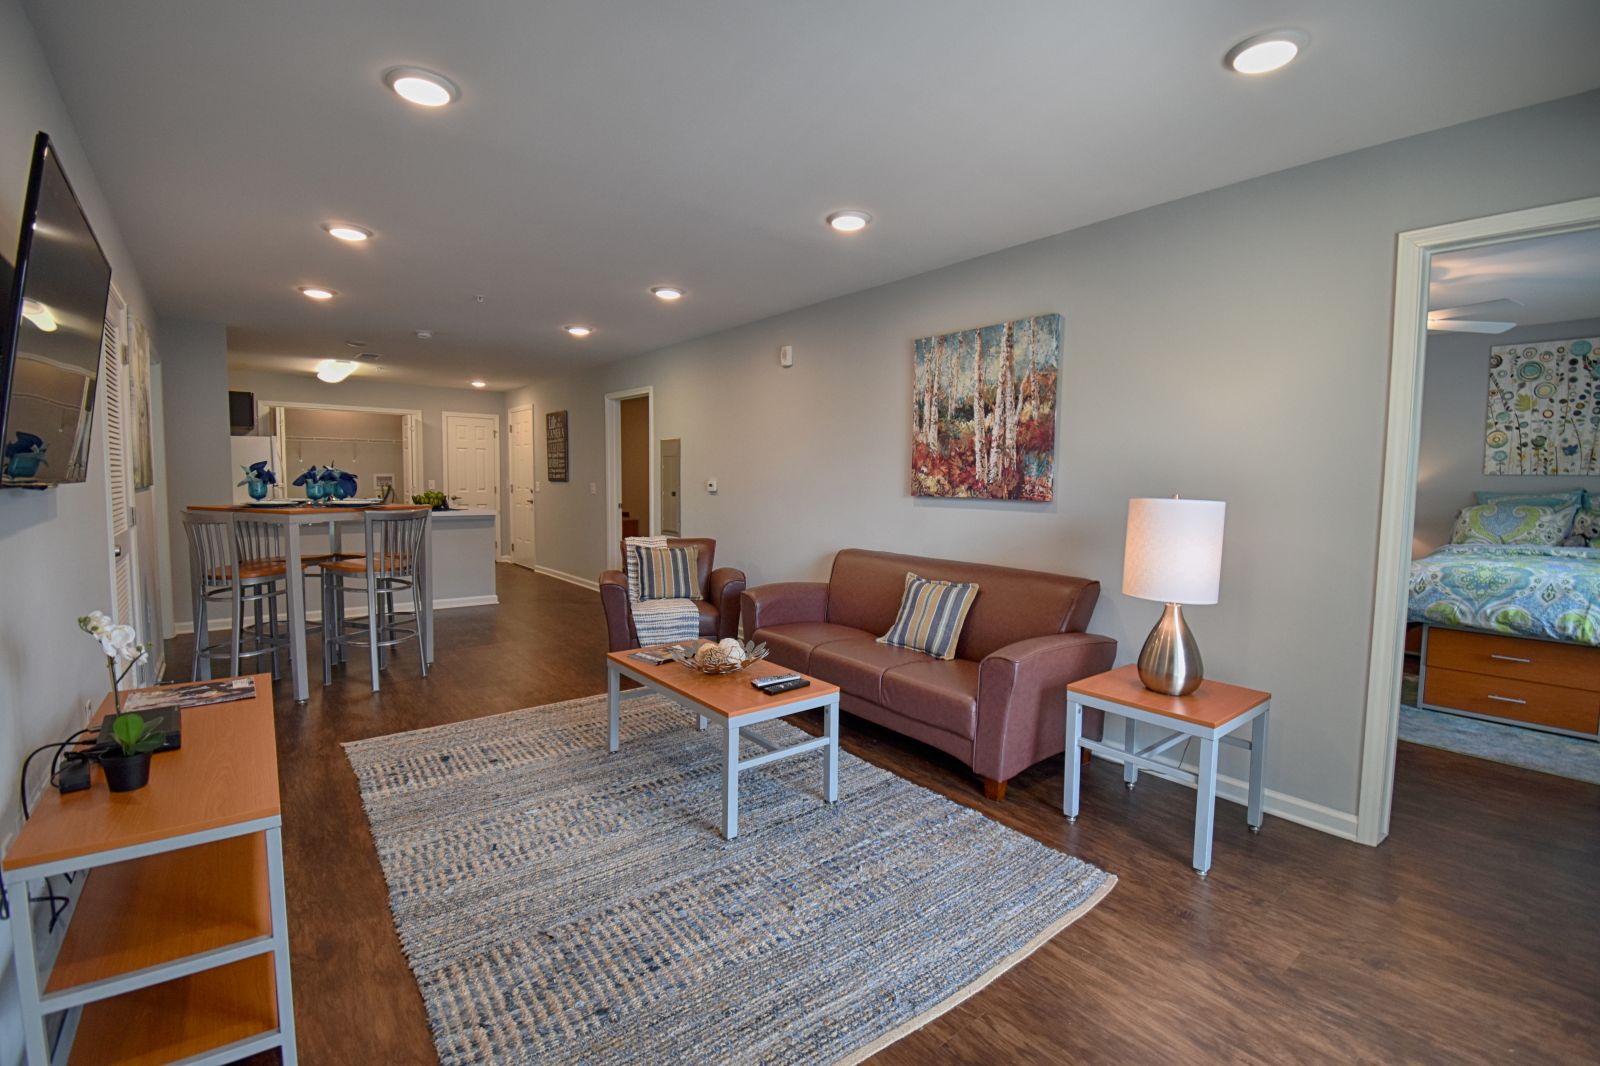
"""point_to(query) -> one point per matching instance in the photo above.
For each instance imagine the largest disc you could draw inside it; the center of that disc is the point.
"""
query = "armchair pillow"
(666, 573)
(931, 616)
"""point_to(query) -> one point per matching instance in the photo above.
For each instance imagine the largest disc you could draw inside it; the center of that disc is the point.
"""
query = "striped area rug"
(561, 904)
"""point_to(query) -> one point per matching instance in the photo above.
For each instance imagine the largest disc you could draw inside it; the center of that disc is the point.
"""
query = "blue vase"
(257, 489)
(314, 491)
(24, 464)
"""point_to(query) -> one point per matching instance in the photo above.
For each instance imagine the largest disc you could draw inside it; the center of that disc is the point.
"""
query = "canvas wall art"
(555, 446)
(983, 412)
(1543, 415)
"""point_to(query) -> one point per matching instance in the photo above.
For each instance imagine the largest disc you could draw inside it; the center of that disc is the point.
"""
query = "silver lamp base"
(1169, 662)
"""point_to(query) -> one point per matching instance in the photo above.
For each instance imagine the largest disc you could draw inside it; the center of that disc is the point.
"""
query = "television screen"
(50, 334)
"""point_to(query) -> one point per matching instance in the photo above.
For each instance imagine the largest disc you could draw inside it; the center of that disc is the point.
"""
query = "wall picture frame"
(555, 446)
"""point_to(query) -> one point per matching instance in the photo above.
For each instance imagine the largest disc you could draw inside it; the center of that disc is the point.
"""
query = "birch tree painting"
(983, 411)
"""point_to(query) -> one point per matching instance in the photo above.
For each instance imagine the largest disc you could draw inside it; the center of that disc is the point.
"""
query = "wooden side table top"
(226, 773)
(729, 695)
(1212, 705)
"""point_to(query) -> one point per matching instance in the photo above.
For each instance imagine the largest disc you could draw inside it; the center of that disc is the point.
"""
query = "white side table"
(1213, 713)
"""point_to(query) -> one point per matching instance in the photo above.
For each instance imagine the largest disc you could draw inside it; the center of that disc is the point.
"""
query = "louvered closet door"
(119, 488)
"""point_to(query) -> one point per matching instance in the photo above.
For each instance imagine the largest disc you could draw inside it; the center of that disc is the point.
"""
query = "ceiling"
(1555, 279)
(601, 146)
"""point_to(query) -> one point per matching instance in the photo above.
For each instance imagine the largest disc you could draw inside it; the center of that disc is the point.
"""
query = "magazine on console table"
(198, 694)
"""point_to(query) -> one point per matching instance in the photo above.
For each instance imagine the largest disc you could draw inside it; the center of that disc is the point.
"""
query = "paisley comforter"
(1552, 593)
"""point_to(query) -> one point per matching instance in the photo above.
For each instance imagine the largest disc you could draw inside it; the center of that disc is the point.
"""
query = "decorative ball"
(732, 649)
(710, 655)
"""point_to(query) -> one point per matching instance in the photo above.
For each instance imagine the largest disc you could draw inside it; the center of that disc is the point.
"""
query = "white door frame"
(511, 503)
(1397, 512)
(614, 470)
(444, 454)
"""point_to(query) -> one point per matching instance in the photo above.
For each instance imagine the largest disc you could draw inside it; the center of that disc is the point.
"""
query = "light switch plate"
(711, 486)
(786, 355)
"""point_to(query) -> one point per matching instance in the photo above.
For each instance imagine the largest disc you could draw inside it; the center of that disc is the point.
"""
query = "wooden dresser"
(1537, 683)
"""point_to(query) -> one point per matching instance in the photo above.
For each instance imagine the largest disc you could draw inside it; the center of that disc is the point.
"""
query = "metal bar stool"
(395, 547)
(216, 574)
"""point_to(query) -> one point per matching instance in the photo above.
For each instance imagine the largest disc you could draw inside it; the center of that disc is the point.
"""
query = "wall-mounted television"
(50, 334)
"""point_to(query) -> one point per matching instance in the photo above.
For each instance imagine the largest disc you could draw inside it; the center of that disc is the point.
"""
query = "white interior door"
(411, 481)
(472, 462)
(519, 431)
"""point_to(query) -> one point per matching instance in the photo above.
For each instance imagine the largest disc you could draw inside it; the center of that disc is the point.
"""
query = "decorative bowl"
(707, 661)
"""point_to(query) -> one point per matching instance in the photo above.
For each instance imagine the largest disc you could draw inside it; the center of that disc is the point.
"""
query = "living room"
(1230, 305)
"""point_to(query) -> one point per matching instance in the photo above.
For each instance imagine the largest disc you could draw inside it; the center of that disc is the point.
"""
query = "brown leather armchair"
(719, 592)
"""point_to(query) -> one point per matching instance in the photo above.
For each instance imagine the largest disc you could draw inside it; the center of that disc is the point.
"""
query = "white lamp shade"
(1174, 550)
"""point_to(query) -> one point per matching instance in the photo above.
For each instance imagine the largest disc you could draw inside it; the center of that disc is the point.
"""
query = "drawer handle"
(1504, 699)
(1510, 659)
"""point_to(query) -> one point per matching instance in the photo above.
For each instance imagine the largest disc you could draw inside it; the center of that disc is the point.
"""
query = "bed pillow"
(931, 616)
(1587, 523)
(1570, 498)
(1513, 523)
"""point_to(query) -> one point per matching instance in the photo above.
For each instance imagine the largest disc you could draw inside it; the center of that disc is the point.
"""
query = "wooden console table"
(178, 948)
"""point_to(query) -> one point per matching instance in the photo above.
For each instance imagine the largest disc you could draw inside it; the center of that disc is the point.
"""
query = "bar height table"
(296, 519)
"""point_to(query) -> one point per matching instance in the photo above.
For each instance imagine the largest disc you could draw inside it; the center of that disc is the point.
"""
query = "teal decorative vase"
(257, 489)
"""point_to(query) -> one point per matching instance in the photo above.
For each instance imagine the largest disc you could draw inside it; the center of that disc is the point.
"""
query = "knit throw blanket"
(658, 621)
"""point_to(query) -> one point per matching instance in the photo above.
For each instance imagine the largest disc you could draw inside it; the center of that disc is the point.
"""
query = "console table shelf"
(177, 948)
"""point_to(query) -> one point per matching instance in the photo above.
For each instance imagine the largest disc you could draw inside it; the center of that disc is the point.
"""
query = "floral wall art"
(1543, 416)
(983, 411)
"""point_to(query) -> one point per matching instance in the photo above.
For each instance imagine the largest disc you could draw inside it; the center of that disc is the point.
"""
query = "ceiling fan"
(1487, 317)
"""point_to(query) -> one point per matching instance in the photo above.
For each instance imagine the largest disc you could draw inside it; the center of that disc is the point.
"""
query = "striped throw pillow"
(667, 573)
(931, 616)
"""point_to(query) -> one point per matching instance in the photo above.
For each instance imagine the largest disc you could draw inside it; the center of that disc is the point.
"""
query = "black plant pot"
(126, 773)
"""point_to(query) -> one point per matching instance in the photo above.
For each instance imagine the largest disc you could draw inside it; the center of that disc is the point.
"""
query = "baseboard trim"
(571, 579)
(445, 604)
(1278, 804)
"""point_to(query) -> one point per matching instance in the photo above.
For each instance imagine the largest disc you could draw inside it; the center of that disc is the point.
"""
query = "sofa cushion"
(931, 614)
(942, 693)
(857, 665)
(792, 643)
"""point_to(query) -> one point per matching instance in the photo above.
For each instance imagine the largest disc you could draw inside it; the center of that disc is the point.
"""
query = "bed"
(1512, 633)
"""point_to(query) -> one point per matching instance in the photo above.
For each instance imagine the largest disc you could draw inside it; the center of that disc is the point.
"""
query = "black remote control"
(785, 686)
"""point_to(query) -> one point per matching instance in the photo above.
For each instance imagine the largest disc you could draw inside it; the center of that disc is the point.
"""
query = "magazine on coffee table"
(199, 694)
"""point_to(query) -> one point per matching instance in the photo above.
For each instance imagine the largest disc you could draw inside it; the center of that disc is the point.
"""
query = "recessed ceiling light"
(334, 371)
(668, 293)
(346, 232)
(1265, 52)
(849, 221)
(357, 345)
(578, 331)
(421, 87)
(317, 292)
(424, 334)
(480, 384)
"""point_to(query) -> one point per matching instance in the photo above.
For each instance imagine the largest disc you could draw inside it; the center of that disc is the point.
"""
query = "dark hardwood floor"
(1471, 935)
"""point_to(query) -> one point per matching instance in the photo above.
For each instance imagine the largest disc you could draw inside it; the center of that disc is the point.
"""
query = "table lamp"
(1174, 556)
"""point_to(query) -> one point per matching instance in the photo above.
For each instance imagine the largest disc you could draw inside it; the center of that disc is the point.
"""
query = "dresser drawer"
(1524, 701)
(1542, 661)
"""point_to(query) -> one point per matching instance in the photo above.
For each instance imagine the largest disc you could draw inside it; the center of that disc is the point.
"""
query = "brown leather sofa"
(999, 706)
(719, 591)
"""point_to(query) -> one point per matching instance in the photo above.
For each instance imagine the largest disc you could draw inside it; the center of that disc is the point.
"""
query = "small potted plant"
(127, 766)
(258, 479)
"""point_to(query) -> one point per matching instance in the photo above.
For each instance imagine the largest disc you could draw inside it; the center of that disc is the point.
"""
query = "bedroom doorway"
(1464, 280)
(632, 477)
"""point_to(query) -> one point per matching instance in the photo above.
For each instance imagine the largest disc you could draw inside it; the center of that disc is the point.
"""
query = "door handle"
(1510, 659)
(1503, 699)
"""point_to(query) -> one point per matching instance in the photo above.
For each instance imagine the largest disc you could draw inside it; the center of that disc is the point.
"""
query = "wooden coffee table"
(730, 700)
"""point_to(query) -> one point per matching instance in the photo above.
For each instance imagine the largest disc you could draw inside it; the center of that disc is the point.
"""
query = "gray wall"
(1232, 345)
(54, 545)
(1450, 458)
(194, 379)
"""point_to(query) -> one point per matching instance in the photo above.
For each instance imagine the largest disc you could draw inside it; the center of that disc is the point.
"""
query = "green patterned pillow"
(1507, 523)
